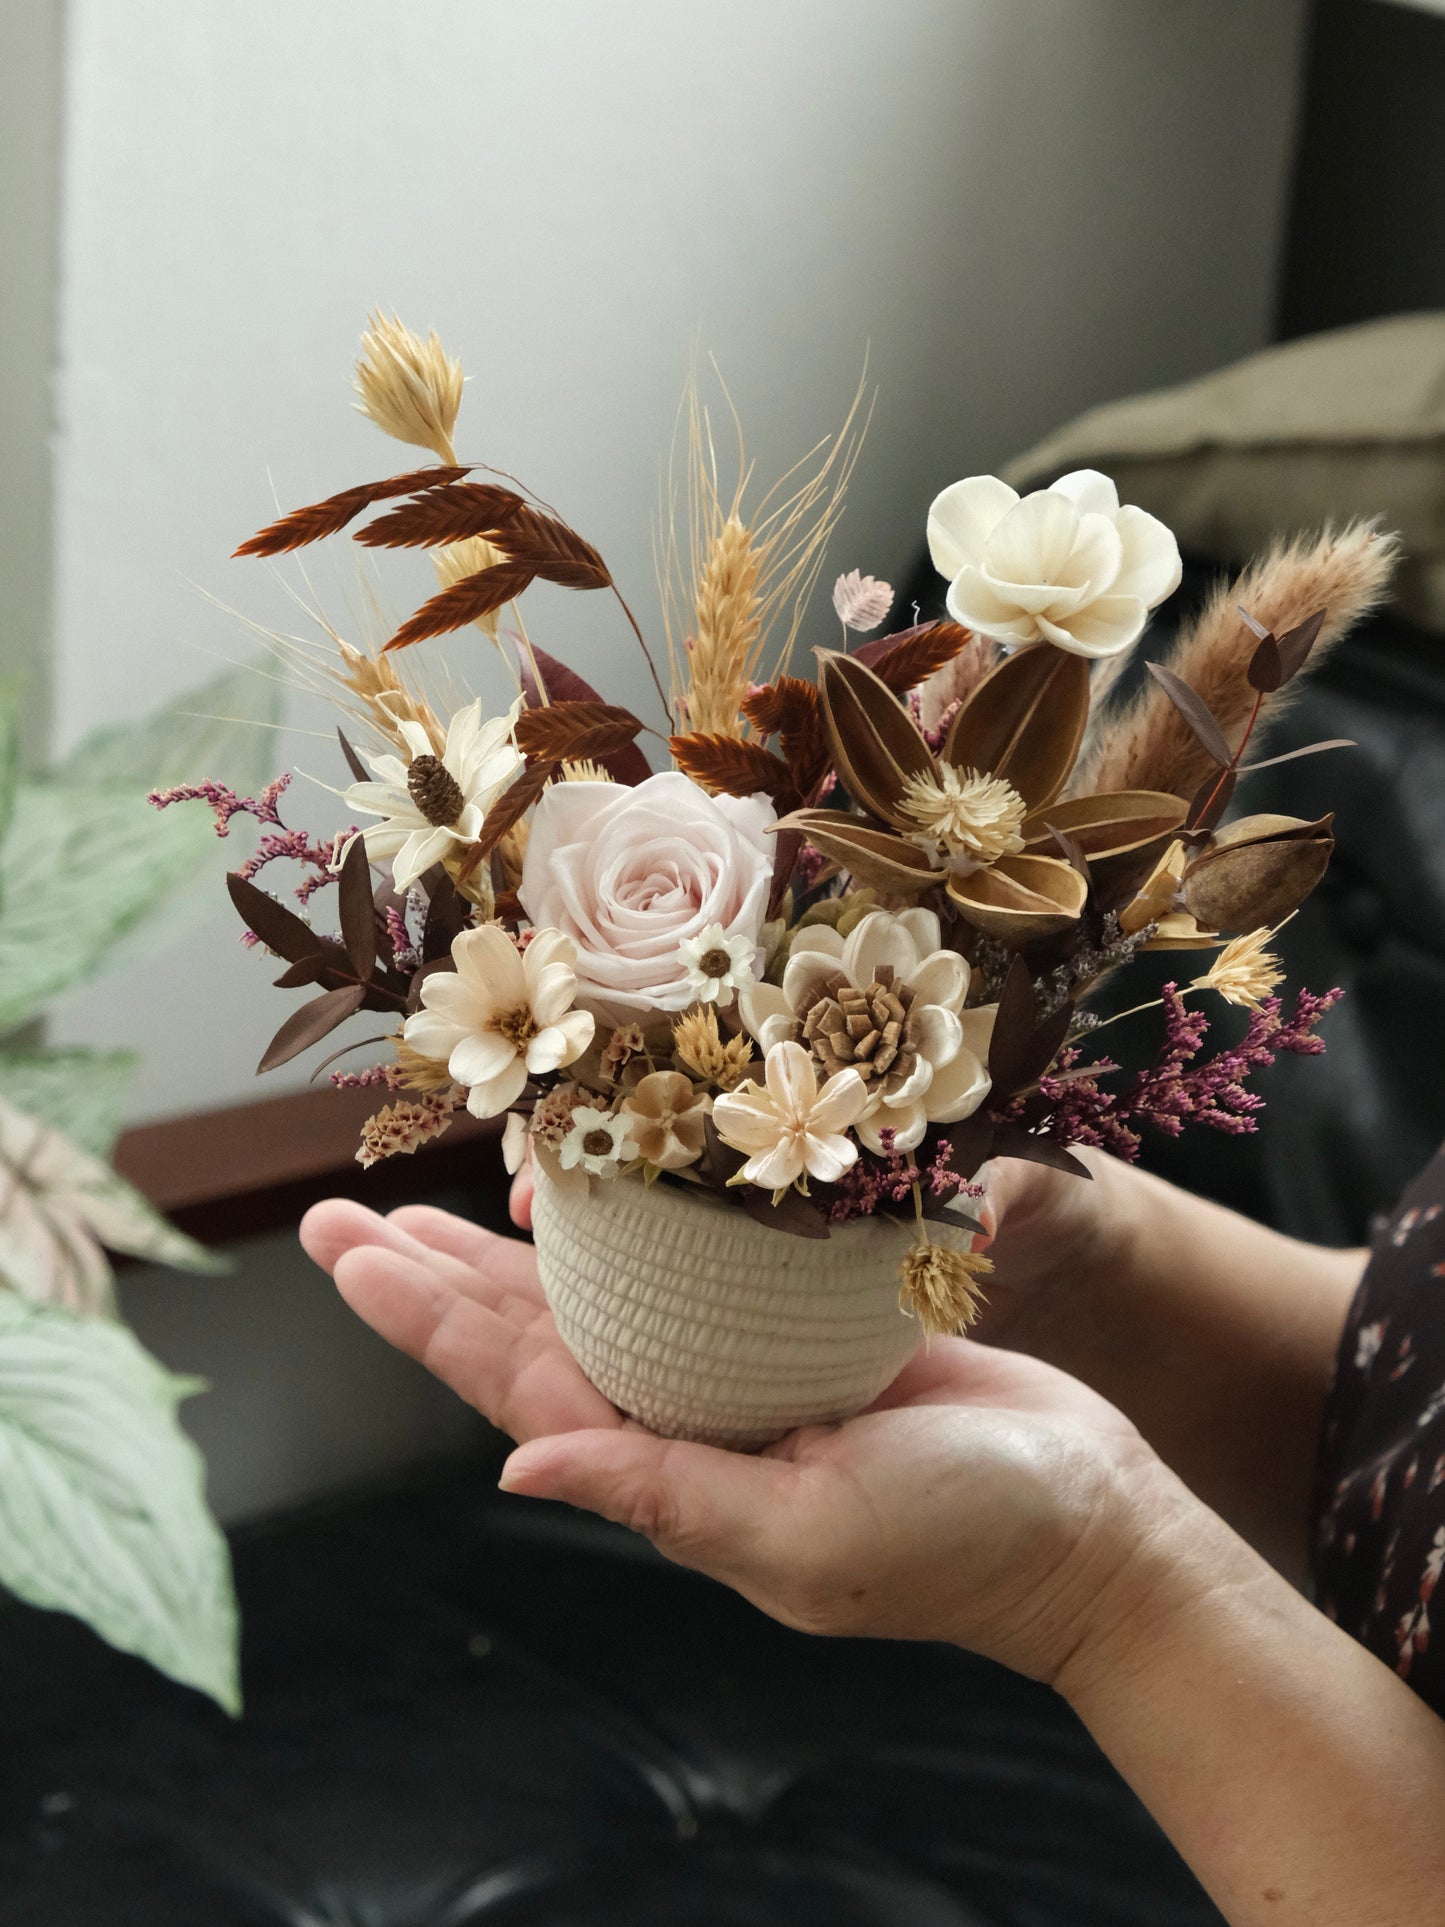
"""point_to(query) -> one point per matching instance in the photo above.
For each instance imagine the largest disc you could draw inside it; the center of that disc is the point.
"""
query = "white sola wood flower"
(599, 1142)
(431, 803)
(502, 1015)
(788, 1126)
(1066, 565)
(716, 964)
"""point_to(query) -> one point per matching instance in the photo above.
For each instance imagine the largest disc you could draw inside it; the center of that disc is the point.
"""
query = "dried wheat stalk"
(735, 585)
(1151, 746)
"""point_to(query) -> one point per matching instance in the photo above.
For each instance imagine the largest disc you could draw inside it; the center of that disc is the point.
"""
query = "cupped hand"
(986, 1498)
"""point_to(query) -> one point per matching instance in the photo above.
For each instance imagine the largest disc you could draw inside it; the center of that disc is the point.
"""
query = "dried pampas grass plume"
(410, 388)
(729, 577)
(1151, 746)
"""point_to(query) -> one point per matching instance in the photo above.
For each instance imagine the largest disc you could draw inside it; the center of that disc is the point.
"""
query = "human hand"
(986, 1498)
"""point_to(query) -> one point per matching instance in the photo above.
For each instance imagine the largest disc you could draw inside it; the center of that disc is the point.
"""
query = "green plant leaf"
(222, 728)
(102, 1497)
(12, 688)
(80, 1093)
(60, 1207)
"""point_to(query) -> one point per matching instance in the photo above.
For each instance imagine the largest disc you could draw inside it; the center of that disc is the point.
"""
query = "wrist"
(1175, 1567)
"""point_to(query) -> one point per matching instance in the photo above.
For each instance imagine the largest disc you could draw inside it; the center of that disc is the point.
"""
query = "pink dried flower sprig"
(1176, 1090)
(225, 802)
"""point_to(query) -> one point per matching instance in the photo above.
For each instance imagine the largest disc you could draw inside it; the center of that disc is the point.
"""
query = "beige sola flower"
(789, 1127)
(502, 1016)
(1066, 565)
(433, 804)
(665, 1117)
(888, 1002)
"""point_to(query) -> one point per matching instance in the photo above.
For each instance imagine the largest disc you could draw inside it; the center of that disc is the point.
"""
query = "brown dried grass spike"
(728, 767)
(320, 519)
(466, 601)
(443, 515)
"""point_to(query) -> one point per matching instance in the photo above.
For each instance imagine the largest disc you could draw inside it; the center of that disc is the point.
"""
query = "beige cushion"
(1345, 424)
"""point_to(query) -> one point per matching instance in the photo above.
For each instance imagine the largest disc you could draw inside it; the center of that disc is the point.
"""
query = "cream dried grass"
(734, 583)
(1151, 746)
(411, 389)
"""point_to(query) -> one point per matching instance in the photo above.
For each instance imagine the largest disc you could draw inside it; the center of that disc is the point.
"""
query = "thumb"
(717, 1511)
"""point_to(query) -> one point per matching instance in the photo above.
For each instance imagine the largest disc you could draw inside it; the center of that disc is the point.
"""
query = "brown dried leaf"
(1257, 871)
(727, 766)
(443, 515)
(875, 856)
(905, 660)
(1025, 721)
(553, 551)
(791, 709)
(1109, 824)
(301, 526)
(1195, 711)
(1295, 645)
(465, 601)
(875, 742)
(1013, 1141)
(572, 730)
(278, 928)
(357, 908)
(310, 1024)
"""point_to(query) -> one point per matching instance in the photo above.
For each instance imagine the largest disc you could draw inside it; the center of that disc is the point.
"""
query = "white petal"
(923, 926)
(879, 940)
(419, 852)
(841, 1102)
(758, 1002)
(1090, 492)
(514, 1143)
(974, 603)
(792, 1081)
(383, 799)
(937, 1033)
(1033, 541)
(907, 1125)
(744, 1125)
(490, 964)
(1150, 568)
(777, 1030)
(777, 1167)
(1098, 553)
(828, 1157)
(415, 737)
(962, 519)
(957, 1089)
(941, 979)
(1106, 627)
(806, 970)
(578, 1028)
(498, 1093)
(978, 1029)
(482, 1056)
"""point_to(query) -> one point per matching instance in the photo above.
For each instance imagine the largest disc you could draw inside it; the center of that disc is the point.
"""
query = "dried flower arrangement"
(836, 957)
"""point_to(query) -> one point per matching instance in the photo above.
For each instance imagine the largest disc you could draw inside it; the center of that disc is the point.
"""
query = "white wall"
(1025, 206)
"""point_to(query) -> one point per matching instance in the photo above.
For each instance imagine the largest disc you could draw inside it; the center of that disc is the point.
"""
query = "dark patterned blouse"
(1380, 1520)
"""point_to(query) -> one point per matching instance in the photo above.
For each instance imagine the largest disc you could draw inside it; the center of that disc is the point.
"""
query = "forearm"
(1215, 1336)
(1302, 1780)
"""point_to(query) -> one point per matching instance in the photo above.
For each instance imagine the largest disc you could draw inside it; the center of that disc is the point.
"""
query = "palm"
(937, 1513)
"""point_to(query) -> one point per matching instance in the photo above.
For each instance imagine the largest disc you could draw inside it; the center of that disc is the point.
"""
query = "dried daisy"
(410, 388)
(939, 1287)
(1244, 972)
(861, 601)
(403, 1127)
(699, 1045)
(973, 816)
(601, 1142)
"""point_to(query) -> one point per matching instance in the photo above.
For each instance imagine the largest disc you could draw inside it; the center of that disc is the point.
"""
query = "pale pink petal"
(861, 601)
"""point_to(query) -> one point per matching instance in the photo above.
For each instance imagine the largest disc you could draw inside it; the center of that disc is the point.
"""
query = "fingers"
(518, 1375)
(508, 1262)
(523, 1186)
(500, 1272)
(713, 1510)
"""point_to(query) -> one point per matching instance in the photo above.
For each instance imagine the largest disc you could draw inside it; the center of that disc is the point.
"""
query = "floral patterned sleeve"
(1379, 1540)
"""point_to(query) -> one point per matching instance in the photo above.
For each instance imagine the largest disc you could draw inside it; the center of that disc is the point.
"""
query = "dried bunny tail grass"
(410, 388)
(734, 583)
(1151, 746)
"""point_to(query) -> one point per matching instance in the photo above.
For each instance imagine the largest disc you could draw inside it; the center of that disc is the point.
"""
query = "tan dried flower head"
(582, 769)
(700, 1046)
(552, 1118)
(939, 1287)
(409, 387)
(666, 1117)
(403, 1127)
(374, 682)
(417, 1073)
(971, 815)
(1244, 972)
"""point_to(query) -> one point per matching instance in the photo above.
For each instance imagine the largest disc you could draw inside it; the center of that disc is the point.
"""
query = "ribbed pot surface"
(704, 1324)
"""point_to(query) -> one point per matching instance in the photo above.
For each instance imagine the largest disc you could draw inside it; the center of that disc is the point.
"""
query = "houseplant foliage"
(804, 951)
(102, 1502)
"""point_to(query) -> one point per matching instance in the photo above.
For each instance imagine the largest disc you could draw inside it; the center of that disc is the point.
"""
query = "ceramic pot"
(702, 1323)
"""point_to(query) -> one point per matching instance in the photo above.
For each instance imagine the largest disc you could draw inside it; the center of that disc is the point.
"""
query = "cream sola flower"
(1066, 565)
(888, 1002)
(431, 804)
(789, 1127)
(502, 1016)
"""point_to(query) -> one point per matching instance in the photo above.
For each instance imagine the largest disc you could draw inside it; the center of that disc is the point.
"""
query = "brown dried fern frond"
(735, 580)
(1150, 746)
